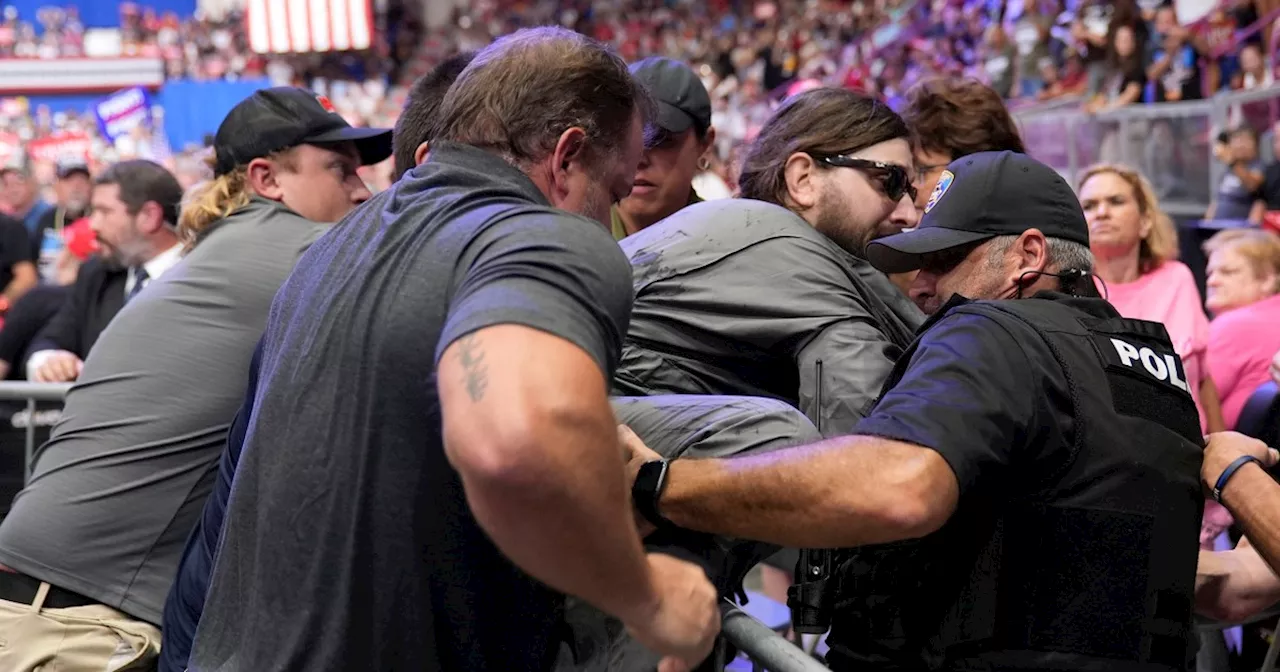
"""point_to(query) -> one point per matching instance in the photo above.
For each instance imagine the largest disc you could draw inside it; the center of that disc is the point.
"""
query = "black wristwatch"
(647, 490)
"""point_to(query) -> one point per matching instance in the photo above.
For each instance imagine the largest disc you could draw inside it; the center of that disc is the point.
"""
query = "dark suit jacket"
(96, 297)
(28, 315)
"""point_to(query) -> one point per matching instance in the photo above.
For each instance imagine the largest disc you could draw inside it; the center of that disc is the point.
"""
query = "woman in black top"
(1126, 74)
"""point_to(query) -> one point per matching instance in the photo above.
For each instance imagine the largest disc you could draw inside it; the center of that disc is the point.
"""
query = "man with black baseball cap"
(72, 190)
(1024, 495)
(278, 118)
(676, 153)
(306, 131)
(91, 546)
(977, 198)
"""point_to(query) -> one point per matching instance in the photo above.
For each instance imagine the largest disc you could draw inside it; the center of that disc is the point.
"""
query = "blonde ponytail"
(210, 201)
(215, 199)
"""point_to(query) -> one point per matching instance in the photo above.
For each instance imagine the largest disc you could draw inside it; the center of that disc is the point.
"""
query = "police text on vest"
(1163, 368)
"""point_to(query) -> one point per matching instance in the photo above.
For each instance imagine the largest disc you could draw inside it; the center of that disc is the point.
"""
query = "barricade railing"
(1170, 143)
(766, 649)
(32, 393)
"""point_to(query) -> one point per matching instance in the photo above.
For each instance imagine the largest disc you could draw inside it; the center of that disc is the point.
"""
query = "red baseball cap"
(80, 238)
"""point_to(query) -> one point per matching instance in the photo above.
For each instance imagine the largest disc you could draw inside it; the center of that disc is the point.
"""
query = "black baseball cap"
(682, 99)
(981, 196)
(282, 117)
(67, 169)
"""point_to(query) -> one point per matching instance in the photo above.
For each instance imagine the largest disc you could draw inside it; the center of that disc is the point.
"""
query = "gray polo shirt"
(120, 483)
(743, 297)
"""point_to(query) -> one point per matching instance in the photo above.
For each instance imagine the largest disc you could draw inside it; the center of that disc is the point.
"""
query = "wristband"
(1229, 472)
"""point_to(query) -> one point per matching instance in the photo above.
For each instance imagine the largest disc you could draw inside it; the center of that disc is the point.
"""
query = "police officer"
(1025, 494)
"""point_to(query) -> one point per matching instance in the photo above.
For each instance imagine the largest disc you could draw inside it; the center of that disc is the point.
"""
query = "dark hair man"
(952, 118)
(664, 180)
(72, 188)
(1025, 494)
(477, 324)
(134, 214)
(768, 295)
(94, 539)
(409, 140)
(746, 296)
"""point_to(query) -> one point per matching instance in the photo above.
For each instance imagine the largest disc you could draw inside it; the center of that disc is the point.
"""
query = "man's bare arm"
(1235, 585)
(1253, 498)
(528, 426)
(847, 491)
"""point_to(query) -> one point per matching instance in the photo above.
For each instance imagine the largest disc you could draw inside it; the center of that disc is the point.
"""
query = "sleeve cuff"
(36, 360)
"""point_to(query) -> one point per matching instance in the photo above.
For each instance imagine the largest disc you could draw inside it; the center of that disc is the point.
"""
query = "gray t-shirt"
(743, 297)
(348, 542)
(123, 478)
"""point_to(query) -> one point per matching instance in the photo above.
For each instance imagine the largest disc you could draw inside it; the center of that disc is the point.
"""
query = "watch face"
(653, 475)
(650, 481)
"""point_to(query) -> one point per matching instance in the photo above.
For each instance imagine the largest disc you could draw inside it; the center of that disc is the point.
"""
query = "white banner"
(21, 76)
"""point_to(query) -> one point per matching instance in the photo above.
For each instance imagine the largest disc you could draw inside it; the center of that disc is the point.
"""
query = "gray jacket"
(742, 297)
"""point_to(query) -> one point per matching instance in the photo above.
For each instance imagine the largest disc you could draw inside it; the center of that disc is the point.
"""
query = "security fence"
(33, 408)
(1171, 143)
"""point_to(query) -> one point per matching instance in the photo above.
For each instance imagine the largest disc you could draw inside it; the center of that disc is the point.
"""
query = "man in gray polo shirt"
(92, 543)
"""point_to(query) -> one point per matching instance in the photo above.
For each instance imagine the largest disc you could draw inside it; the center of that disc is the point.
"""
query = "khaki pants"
(93, 638)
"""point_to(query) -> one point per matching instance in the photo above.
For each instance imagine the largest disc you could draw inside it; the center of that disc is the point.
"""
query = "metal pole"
(30, 452)
(766, 648)
(32, 393)
(21, 391)
(1269, 663)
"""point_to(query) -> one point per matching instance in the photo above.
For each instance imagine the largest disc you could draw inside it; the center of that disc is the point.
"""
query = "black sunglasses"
(894, 180)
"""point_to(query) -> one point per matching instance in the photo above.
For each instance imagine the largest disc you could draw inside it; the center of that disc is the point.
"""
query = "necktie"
(139, 280)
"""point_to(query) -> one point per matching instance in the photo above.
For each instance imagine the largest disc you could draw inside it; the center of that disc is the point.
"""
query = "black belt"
(21, 588)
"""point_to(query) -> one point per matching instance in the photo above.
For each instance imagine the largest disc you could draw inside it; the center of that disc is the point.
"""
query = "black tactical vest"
(1086, 563)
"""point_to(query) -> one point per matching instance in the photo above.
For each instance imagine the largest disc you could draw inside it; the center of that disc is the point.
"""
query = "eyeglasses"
(894, 180)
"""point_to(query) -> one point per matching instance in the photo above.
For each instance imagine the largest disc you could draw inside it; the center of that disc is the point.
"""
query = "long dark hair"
(819, 121)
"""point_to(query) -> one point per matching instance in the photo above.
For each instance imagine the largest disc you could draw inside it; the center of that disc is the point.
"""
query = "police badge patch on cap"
(326, 104)
(944, 183)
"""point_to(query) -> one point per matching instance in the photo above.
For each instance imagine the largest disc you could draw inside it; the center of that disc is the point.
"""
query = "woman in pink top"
(1241, 292)
(1135, 245)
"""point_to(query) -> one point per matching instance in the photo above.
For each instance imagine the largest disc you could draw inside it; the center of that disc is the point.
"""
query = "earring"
(704, 163)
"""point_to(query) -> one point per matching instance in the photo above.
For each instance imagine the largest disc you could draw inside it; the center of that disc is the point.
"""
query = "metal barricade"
(32, 393)
(1170, 143)
(766, 649)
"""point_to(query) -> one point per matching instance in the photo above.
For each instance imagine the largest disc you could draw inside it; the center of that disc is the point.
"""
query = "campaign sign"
(61, 146)
(122, 112)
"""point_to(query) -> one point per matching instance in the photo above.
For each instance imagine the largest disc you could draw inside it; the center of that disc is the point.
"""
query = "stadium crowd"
(749, 55)
(829, 127)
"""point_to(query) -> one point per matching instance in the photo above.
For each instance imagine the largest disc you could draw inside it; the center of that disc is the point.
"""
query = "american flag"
(284, 26)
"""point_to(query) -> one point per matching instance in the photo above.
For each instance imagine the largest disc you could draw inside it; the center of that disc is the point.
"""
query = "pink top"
(1243, 341)
(1169, 295)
